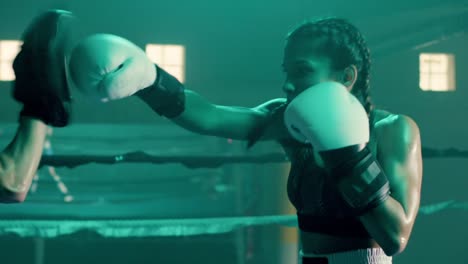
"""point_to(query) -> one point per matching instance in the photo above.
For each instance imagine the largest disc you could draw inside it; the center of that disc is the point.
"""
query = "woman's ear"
(349, 76)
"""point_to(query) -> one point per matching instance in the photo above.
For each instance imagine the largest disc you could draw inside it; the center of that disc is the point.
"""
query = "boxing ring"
(120, 181)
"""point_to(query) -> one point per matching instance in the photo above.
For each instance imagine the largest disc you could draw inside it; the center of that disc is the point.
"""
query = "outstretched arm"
(204, 117)
(20, 159)
(42, 89)
(108, 67)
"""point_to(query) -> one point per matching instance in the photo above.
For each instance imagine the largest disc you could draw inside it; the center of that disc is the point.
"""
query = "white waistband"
(360, 256)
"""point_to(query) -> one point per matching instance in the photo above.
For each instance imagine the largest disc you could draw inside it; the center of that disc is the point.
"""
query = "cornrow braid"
(346, 46)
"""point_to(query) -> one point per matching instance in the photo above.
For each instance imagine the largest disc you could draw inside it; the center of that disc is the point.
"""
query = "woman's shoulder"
(385, 119)
(389, 125)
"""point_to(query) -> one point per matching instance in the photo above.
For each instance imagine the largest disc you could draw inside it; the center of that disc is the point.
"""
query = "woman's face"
(305, 67)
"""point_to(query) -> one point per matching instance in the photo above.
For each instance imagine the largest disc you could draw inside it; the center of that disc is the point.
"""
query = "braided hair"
(344, 44)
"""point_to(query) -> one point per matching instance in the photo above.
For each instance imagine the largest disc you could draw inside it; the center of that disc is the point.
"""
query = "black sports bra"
(319, 206)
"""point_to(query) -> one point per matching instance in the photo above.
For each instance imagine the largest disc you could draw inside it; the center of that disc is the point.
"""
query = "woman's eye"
(302, 72)
(298, 73)
(306, 70)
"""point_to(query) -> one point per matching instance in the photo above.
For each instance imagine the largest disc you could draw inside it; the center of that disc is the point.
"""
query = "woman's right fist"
(108, 67)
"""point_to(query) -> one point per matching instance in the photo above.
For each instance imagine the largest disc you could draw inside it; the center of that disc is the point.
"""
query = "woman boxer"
(356, 171)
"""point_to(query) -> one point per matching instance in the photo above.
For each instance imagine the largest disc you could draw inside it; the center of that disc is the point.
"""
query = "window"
(169, 57)
(8, 51)
(436, 72)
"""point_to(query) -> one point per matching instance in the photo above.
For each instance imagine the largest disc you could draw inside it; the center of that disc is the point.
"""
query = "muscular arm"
(203, 117)
(20, 159)
(390, 224)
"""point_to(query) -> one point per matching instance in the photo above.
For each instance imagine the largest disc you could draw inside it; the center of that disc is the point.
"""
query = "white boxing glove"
(327, 116)
(108, 67)
(337, 126)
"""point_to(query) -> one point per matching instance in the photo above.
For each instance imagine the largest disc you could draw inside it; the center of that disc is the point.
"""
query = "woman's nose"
(288, 87)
